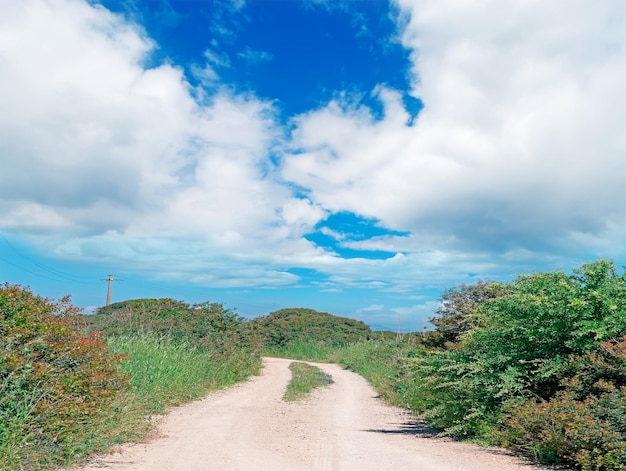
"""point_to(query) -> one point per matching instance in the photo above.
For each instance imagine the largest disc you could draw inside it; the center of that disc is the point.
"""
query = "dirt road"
(341, 427)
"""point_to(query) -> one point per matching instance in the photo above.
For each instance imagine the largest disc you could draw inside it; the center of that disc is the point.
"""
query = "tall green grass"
(384, 364)
(165, 373)
(16, 408)
(30, 441)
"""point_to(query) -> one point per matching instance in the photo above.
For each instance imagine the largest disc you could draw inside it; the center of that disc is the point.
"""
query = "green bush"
(55, 381)
(456, 313)
(67, 392)
(584, 424)
(589, 434)
(548, 345)
(206, 325)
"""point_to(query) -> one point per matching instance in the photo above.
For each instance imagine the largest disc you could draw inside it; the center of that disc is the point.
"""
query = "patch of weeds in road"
(305, 378)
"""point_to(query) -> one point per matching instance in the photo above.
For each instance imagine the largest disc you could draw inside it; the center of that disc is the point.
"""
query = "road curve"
(341, 427)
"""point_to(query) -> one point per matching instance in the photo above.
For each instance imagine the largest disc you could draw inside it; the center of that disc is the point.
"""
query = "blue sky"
(355, 157)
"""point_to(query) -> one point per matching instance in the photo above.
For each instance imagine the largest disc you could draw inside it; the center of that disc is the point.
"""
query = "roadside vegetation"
(177, 352)
(61, 391)
(537, 364)
(304, 379)
(72, 385)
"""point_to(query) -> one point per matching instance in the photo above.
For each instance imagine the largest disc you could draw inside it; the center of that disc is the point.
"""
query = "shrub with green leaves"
(206, 325)
(455, 314)
(537, 348)
(584, 424)
(54, 380)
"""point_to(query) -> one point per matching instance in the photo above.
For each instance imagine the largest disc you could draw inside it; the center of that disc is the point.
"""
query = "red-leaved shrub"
(53, 377)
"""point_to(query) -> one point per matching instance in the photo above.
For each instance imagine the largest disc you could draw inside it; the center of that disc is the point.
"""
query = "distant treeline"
(292, 325)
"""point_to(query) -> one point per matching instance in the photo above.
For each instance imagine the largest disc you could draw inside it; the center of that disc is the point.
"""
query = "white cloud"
(401, 319)
(517, 155)
(88, 122)
(105, 159)
(301, 213)
(254, 56)
(371, 307)
(415, 318)
(520, 143)
(217, 59)
(32, 216)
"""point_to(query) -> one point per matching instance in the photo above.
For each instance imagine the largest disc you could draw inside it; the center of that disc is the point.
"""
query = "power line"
(58, 275)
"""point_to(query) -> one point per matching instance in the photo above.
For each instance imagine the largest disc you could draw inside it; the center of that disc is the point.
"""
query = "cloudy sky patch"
(357, 158)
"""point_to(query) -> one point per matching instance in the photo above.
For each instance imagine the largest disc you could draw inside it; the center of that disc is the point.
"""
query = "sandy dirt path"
(341, 427)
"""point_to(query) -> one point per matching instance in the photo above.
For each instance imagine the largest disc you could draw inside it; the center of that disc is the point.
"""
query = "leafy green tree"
(524, 344)
(457, 312)
(602, 296)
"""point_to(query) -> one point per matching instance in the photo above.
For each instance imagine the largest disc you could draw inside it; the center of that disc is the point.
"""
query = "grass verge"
(382, 362)
(304, 379)
(161, 372)
(165, 373)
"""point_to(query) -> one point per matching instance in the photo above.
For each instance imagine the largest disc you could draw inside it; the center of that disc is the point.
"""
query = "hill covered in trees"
(289, 326)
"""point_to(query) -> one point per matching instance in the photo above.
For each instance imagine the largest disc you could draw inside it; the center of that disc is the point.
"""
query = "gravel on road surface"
(341, 427)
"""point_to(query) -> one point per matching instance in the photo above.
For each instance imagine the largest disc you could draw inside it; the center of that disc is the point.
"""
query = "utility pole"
(110, 279)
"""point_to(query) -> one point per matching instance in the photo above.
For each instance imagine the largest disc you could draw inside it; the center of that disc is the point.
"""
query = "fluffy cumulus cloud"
(105, 157)
(518, 152)
(519, 147)
(92, 135)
